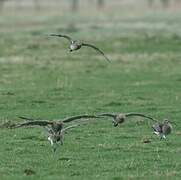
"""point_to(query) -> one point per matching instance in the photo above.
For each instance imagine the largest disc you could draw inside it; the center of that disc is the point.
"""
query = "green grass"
(40, 79)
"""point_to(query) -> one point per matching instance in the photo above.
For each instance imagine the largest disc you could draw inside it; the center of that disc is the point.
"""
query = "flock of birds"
(56, 128)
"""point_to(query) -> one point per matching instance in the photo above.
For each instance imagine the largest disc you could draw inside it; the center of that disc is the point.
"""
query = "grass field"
(40, 79)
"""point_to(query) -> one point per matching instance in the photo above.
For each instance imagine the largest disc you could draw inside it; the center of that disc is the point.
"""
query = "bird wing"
(107, 114)
(157, 127)
(70, 127)
(97, 49)
(75, 125)
(25, 118)
(78, 117)
(140, 114)
(33, 123)
(64, 36)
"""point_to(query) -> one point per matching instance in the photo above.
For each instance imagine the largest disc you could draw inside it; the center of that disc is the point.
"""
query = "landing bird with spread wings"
(119, 118)
(162, 128)
(54, 128)
(75, 45)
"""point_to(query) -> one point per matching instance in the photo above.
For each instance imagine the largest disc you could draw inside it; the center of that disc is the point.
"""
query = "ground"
(39, 78)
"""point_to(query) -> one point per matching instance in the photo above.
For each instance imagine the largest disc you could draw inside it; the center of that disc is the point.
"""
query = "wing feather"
(27, 119)
(97, 49)
(108, 114)
(70, 127)
(141, 115)
(64, 36)
(78, 117)
(33, 123)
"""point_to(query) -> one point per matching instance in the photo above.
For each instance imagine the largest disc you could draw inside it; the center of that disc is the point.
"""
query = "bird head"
(166, 121)
(118, 119)
(57, 126)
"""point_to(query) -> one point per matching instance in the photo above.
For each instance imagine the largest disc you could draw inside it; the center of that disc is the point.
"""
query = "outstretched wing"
(27, 119)
(78, 117)
(7, 124)
(33, 123)
(75, 125)
(140, 114)
(97, 49)
(70, 127)
(107, 114)
(64, 36)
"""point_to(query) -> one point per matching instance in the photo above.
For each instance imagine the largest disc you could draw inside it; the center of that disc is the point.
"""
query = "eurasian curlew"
(162, 129)
(54, 128)
(76, 45)
(119, 118)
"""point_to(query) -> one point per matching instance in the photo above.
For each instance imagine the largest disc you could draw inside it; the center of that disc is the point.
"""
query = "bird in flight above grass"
(119, 118)
(162, 128)
(54, 128)
(75, 45)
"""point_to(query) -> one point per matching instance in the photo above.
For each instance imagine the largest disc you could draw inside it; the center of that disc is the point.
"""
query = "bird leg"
(51, 141)
(163, 136)
(54, 147)
(61, 141)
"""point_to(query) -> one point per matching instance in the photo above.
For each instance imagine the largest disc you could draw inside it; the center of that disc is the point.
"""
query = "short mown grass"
(40, 79)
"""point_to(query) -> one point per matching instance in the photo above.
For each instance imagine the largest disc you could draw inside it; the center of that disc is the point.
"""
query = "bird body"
(119, 118)
(162, 129)
(76, 45)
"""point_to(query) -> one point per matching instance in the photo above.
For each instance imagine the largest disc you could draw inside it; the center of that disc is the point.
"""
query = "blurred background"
(73, 15)
(87, 5)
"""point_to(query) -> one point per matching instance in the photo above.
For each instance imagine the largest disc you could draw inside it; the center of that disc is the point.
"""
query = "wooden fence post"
(150, 3)
(1, 4)
(100, 4)
(75, 5)
(165, 3)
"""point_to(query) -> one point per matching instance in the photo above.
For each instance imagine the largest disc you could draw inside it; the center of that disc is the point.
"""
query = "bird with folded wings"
(162, 129)
(76, 45)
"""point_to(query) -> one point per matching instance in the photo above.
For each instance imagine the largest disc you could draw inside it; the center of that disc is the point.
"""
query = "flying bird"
(54, 128)
(119, 118)
(76, 45)
(162, 128)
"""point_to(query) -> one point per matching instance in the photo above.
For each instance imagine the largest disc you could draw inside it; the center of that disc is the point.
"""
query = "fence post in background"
(100, 4)
(75, 5)
(150, 3)
(165, 3)
(177, 2)
(36, 4)
(1, 4)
